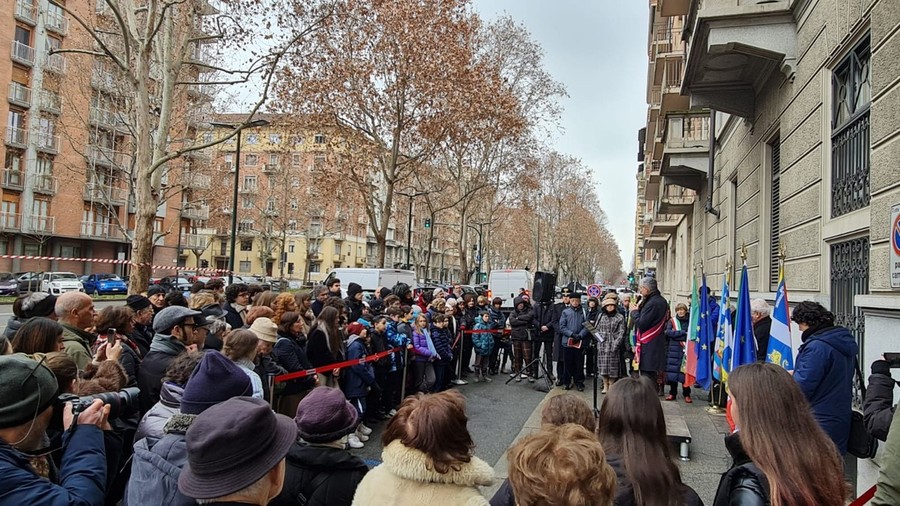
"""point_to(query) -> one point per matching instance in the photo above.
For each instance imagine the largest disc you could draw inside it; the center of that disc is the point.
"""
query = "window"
(775, 229)
(270, 204)
(292, 227)
(295, 183)
(207, 137)
(272, 183)
(44, 166)
(291, 246)
(245, 226)
(247, 245)
(290, 267)
(319, 139)
(23, 35)
(247, 202)
(273, 158)
(251, 159)
(275, 138)
(296, 159)
(244, 266)
(15, 119)
(337, 248)
(296, 140)
(314, 267)
(31, 248)
(227, 181)
(295, 205)
(250, 183)
(223, 248)
(850, 148)
(70, 251)
(319, 161)
(252, 139)
(13, 161)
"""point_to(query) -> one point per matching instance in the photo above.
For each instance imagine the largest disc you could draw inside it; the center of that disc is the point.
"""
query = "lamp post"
(480, 256)
(237, 169)
(411, 196)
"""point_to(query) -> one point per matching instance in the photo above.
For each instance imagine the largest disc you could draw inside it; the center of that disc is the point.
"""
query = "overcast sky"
(598, 49)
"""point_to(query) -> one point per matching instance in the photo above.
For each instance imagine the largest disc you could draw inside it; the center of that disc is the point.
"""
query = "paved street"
(498, 415)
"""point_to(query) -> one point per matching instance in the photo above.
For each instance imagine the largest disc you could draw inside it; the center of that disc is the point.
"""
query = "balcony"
(200, 213)
(40, 224)
(734, 47)
(105, 118)
(194, 242)
(105, 194)
(26, 12)
(653, 179)
(19, 95)
(13, 180)
(675, 200)
(664, 224)
(22, 53)
(656, 242)
(46, 142)
(270, 212)
(57, 23)
(103, 80)
(667, 40)
(10, 222)
(50, 102)
(249, 188)
(670, 8)
(199, 154)
(95, 230)
(99, 156)
(270, 168)
(360, 261)
(55, 63)
(16, 137)
(200, 92)
(685, 157)
(197, 181)
(44, 184)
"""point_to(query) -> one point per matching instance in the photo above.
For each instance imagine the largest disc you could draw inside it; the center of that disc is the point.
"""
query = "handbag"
(860, 443)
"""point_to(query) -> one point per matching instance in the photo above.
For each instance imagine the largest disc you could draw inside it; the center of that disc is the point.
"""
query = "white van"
(508, 283)
(371, 279)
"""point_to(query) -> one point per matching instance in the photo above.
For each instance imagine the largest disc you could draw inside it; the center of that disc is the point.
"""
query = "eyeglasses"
(244, 294)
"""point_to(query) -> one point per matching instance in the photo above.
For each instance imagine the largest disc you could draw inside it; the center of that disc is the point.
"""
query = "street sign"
(594, 290)
(895, 246)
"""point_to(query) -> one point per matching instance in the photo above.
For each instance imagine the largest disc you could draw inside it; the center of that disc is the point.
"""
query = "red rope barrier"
(866, 497)
(339, 365)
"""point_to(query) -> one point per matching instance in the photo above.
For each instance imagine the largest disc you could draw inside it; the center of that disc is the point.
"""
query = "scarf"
(645, 337)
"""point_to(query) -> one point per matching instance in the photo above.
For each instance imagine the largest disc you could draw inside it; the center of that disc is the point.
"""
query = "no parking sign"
(895, 246)
(594, 291)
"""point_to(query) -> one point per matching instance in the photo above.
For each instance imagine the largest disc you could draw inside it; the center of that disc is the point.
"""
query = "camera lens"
(121, 402)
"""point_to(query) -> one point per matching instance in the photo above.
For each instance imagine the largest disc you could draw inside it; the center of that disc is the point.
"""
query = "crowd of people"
(175, 398)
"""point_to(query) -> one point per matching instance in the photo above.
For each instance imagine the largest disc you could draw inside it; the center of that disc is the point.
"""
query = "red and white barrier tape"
(113, 261)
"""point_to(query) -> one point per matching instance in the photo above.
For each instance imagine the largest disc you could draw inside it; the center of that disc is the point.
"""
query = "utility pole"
(410, 196)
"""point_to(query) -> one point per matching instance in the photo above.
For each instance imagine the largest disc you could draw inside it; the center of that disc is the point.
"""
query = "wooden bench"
(677, 429)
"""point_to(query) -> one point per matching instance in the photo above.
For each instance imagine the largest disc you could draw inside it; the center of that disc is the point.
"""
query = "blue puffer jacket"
(82, 476)
(360, 376)
(442, 341)
(156, 466)
(675, 343)
(824, 370)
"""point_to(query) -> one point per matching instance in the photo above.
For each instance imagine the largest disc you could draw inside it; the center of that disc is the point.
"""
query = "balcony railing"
(11, 222)
(16, 137)
(57, 23)
(198, 181)
(195, 213)
(56, 63)
(667, 40)
(13, 179)
(26, 12)
(22, 53)
(19, 94)
(97, 192)
(105, 118)
(252, 188)
(106, 157)
(673, 73)
(686, 131)
(44, 184)
(46, 142)
(270, 168)
(50, 102)
(194, 241)
(41, 224)
(103, 79)
(98, 230)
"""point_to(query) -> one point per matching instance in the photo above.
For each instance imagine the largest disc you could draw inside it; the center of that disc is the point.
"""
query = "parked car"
(101, 284)
(8, 284)
(57, 283)
(171, 283)
(28, 281)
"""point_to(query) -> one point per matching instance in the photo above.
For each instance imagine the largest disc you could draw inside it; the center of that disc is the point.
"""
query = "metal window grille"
(775, 229)
(849, 278)
(850, 146)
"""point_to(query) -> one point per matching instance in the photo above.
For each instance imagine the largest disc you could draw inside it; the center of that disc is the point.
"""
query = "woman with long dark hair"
(290, 353)
(326, 344)
(38, 335)
(633, 432)
(781, 455)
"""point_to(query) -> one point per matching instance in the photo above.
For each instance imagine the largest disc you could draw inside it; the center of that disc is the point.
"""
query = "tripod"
(542, 367)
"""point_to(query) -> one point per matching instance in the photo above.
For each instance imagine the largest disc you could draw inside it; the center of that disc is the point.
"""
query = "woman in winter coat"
(611, 326)
(521, 323)
(427, 457)
(326, 345)
(177, 375)
(676, 339)
(290, 353)
(119, 319)
(802, 468)
(592, 314)
(632, 429)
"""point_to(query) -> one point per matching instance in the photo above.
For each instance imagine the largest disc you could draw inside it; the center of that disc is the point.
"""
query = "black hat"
(155, 289)
(231, 445)
(137, 302)
(38, 304)
(353, 289)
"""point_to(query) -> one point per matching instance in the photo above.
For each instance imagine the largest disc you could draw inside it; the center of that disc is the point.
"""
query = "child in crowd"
(483, 342)
(395, 338)
(377, 401)
(360, 378)
(425, 355)
(440, 335)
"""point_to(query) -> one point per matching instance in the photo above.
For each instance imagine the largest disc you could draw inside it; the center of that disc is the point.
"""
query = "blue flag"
(744, 341)
(780, 349)
(725, 336)
(704, 337)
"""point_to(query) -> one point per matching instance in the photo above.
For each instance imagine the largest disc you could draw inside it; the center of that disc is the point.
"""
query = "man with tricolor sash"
(650, 316)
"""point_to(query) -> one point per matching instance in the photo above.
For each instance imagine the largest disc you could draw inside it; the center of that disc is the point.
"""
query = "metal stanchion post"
(403, 380)
(459, 380)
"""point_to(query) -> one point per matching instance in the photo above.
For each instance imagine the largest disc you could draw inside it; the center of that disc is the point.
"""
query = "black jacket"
(761, 332)
(232, 317)
(744, 484)
(521, 322)
(544, 316)
(340, 474)
(290, 353)
(142, 336)
(354, 309)
(654, 310)
(878, 406)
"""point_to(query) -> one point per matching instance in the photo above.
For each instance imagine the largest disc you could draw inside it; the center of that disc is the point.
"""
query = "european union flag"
(704, 337)
(744, 341)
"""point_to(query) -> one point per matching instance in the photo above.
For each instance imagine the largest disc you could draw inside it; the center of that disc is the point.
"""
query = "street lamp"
(480, 255)
(411, 196)
(237, 169)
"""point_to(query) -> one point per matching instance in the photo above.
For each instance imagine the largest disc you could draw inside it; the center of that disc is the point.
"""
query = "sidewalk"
(708, 455)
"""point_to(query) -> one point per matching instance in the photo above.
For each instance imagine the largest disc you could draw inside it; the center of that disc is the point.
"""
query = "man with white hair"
(762, 324)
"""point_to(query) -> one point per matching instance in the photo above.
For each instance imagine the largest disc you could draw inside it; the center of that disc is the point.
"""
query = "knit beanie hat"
(155, 289)
(38, 304)
(137, 302)
(355, 328)
(27, 389)
(353, 289)
(214, 380)
(324, 415)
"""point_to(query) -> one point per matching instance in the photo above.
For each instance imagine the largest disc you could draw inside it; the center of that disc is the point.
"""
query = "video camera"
(120, 403)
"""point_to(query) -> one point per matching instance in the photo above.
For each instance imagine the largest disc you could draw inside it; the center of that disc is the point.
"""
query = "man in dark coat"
(558, 309)
(353, 302)
(521, 323)
(571, 328)
(237, 298)
(546, 331)
(650, 316)
(174, 327)
(762, 325)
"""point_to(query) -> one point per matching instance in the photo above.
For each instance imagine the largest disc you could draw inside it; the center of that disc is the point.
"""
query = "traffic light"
(427, 222)
(631, 278)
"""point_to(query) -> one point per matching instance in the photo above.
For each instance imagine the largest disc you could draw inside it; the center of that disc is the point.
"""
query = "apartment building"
(804, 136)
(295, 219)
(66, 178)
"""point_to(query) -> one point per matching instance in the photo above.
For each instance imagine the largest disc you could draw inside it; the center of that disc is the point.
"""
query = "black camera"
(122, 402)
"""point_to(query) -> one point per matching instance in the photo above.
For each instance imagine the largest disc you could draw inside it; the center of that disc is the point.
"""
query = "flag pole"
(716, 408)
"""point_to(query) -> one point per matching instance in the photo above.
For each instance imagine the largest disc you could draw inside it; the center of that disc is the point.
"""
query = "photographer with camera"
(28, 402)
(878, 406)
